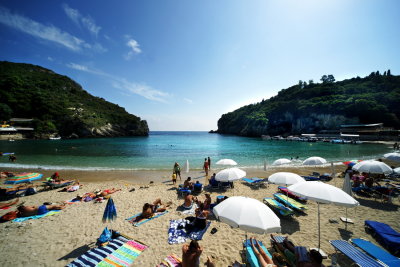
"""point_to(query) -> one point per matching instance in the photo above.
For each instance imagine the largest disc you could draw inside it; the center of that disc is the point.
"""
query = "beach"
(58, 239)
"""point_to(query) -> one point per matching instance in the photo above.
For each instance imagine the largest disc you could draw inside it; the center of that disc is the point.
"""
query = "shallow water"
(160, 150)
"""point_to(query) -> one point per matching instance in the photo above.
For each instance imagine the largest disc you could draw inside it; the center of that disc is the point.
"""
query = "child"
(174, 178)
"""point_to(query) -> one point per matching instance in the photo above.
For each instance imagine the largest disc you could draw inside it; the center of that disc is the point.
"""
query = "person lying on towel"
(149, 209)
(26, 211)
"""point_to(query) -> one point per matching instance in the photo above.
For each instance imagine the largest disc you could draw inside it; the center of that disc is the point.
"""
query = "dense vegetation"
(311, 107)
(60, 105)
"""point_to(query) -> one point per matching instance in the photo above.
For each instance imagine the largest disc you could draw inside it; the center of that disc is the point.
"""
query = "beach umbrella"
(314, 161)
(230, 174)
(281, 162)
(226, 162)
(110, 212)
(352, 162)
(347, 188)
(397, 170)
(24, 177)
(323, 193)
(372, 166)
(248, 214)
(392, 156)
(187, 166)
(285, 178)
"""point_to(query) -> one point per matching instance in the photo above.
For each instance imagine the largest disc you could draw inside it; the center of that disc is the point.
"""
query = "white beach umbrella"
(281, 162)
(187, 168)
(285, 178)
(392, 156)
(323, 193)
(248, 214)
(397, 170)
(314, 161)
(372, 166)
(230, 174)
(226, 162)
(347, 188)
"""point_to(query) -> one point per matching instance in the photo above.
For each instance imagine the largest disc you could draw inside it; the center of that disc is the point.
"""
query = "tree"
(388, 73)
(310, 82)
(384, 74)
(324, 78)
(328, 78)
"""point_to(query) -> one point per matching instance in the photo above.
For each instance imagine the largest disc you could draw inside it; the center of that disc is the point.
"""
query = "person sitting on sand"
(199, 222)
(26, 211)
(107, 192)
(189, 200)
(149, 209)
(191, 254)
(188, 184)
(207, 202)
(263, 259)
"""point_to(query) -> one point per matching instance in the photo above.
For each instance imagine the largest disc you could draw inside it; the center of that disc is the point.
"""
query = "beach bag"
(105, 236)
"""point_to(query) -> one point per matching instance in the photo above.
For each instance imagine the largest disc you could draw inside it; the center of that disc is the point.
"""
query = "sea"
(161, 149)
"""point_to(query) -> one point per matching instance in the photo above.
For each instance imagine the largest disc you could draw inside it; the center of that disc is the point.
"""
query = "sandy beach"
(57, 240)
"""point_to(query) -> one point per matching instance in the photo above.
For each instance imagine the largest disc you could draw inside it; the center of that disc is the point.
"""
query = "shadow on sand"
(76, 252)
(377, 204)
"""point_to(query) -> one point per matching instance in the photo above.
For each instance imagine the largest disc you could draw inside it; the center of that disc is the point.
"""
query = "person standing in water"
(209, 163)
(205, 166)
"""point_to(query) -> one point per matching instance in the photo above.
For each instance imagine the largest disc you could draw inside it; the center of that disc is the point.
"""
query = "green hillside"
(311, 107)
(60, 105)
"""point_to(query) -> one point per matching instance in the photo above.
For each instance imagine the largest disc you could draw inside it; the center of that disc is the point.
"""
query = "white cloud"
(141, 89)
(39, 30)
(135, 49)
(50, 59)
(187, 100)
(87, 22)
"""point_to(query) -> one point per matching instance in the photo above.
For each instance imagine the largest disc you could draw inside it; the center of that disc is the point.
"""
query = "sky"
(181, 64)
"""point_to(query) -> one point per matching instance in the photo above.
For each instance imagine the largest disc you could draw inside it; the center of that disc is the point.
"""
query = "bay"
(160, 150)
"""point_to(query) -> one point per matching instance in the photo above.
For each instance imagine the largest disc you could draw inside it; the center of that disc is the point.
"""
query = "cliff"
(60, 106)
(311, 108)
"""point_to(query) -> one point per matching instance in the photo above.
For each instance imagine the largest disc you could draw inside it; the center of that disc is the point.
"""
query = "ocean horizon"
(161, 149)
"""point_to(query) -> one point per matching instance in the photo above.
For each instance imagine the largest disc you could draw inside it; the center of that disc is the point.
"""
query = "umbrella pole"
(319, 230)
(346, 220)
(287, 194)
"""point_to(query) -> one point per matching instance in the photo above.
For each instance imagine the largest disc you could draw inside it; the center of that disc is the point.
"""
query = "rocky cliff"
(60, 106)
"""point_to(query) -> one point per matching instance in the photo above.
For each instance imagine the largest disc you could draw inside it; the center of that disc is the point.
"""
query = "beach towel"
(22, 219)
(177, 233)
(171, 261)
(136, 220)
(119, 252)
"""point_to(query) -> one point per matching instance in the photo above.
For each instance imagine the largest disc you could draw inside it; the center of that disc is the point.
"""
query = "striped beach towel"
(136, 221)
(171, 261)
(118, 252)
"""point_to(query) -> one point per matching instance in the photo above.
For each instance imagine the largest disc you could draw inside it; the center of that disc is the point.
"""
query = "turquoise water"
(160, 150)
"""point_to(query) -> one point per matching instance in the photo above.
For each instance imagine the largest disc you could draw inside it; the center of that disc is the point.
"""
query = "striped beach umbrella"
(24, 177)
(110, 213)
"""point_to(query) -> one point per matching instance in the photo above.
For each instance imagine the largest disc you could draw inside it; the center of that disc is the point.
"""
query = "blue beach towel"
(22, 219)
(136, 221)
(177, 233)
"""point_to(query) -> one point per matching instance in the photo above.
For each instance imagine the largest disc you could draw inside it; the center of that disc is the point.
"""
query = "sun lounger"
(251, 257)
(278, 207)
(376, 252)
(171, 261)
(119, 251)
(255, 182)
(385, 235)
(285, 191)
(289, 202)
(136, 220)
(356, 255)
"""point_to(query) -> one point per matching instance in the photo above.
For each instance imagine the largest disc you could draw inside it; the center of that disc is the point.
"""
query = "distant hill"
(311, 107)
(59, 105)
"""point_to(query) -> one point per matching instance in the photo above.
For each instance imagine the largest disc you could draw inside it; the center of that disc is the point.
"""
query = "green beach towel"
(22, 219)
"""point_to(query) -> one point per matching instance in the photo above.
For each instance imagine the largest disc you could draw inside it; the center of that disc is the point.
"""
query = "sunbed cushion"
(385, 235)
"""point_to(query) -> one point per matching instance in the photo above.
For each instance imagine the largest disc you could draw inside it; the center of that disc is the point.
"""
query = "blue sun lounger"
(385, 235)
(376, 252)
(278, 207)
(251, 258)
(356, 255)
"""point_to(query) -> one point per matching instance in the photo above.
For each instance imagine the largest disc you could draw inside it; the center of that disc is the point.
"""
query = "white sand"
(57, 240)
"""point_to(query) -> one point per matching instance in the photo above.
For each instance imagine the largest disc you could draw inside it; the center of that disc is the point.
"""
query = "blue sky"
(181, 64)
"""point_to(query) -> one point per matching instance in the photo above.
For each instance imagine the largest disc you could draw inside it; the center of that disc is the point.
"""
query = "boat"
(55, 138)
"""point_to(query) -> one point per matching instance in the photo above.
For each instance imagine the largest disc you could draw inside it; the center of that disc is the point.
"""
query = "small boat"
(55, 138)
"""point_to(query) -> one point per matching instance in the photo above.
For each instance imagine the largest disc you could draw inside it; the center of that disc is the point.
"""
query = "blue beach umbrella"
(24, 177)
(110, 213)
